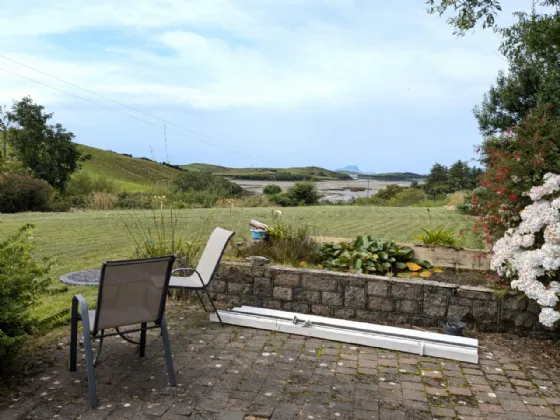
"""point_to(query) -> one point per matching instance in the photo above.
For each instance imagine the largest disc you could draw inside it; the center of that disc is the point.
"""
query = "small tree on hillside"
(47, 150)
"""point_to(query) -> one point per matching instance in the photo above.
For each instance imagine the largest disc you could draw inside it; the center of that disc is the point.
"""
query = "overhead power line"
(210, 140)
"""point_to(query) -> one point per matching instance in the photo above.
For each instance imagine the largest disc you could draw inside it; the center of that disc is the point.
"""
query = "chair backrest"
(132, 292)
(213, 253)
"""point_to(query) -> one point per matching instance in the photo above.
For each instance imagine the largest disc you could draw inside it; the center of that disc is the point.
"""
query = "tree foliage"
(458, 177)
(467, 13)
(47, 150)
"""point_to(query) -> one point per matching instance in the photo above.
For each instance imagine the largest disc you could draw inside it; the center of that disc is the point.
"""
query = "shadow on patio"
(237, 373)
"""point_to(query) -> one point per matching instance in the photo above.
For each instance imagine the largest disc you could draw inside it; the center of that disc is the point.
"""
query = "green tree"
(470, 12)
(305, 193)
(47, 150)
(458, 176)
(389, 191)
(437, 181)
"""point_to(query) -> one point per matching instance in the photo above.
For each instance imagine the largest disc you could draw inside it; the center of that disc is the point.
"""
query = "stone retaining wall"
(373, 298)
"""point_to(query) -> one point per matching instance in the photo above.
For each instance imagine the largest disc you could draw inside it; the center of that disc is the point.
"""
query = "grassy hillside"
(204, 167)
(132, 174)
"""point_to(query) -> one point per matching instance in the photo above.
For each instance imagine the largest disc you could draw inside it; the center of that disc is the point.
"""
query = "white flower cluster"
(515, 259)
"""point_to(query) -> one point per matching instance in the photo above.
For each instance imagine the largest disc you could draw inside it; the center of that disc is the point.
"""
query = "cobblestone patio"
(240, 373)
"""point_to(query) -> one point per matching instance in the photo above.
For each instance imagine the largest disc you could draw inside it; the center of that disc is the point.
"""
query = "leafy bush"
(20, 193)
(389, 191)
(373, 256)
(285, 245)
(408, 197)
(370, 201)
(200, 181)
(272, 189)
(82, 184)
(134, 200)
(22, 280)
(440, 237)
(515, 162)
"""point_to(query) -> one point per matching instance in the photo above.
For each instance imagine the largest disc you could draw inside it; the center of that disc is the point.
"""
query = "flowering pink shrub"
(529, 255)
(515, 162)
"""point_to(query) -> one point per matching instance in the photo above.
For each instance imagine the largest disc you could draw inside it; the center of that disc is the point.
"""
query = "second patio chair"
(199, 278)
(131, 292)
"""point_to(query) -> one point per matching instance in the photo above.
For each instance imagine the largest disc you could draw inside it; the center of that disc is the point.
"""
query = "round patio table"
(82, 278)
(89, 278)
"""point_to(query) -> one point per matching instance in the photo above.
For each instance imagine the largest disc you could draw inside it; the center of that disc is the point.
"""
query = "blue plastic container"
(258, 234)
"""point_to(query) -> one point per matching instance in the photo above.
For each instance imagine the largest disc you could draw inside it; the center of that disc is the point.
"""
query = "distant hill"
(204, 167)
(268, 174)
(130, 173)
(350, 168)
(394, 176)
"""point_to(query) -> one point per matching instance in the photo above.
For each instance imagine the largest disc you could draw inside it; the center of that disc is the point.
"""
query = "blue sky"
(378, 84)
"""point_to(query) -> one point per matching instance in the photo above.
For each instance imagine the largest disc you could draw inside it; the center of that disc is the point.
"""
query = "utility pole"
(4, 127)
(368, 188)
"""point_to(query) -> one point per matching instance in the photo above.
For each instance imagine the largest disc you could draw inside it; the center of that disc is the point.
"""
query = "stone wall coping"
(362, 276)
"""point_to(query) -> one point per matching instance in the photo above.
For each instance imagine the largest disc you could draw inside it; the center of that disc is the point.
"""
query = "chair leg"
(214, 306)
(98, 353)
(143, 339)
(201, 301)
(79, 299)
(168, 356)
(74, 336)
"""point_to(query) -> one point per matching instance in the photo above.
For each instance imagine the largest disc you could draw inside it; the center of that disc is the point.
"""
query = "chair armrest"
(83, 312)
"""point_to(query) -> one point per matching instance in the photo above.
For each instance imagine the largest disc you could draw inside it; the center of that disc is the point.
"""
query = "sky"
(263, 83)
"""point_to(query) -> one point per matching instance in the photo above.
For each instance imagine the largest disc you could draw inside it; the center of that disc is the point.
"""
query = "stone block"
(355, 297)
(289, 279)
(515, 303)
(475, 293)
(381, 304)
(460, 301)
(458, 312)
(323, 282)
(533, 307)
(239, 274)
(321, 310)
(229, 300)
(485, 311)
(378, 288)
(332, 299)
(406, 291)
(443, 290)
(272, 304)
(240, 288)
(282, 293)
(306, 296)
(344, 313)
(251, 300)
(353, 280)
(399, 319)
(296, 307)
(421, 321)
(371, 316)
(525, 320)
(263, 286)
(434, 311)
(409, 306)
(217, 286)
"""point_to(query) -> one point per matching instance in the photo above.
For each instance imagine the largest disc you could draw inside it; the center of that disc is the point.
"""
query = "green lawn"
(82, 240)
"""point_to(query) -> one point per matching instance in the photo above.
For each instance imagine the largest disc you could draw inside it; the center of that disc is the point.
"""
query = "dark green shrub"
(22, 280)
(60, 202)
(408, 197)
(272, 189)
(201, 181)
(389, 191)
(283, 199)
(134, 200)
(304, 193)
(370, 201)
(20, 193)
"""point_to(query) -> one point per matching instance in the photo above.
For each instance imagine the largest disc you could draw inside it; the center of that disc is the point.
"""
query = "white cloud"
(245, 53)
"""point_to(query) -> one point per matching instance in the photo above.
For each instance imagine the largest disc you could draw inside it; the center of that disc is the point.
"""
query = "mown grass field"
(83, 240)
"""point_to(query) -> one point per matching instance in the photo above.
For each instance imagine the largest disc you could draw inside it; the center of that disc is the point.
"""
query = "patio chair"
(199, 278)
(131, 292)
